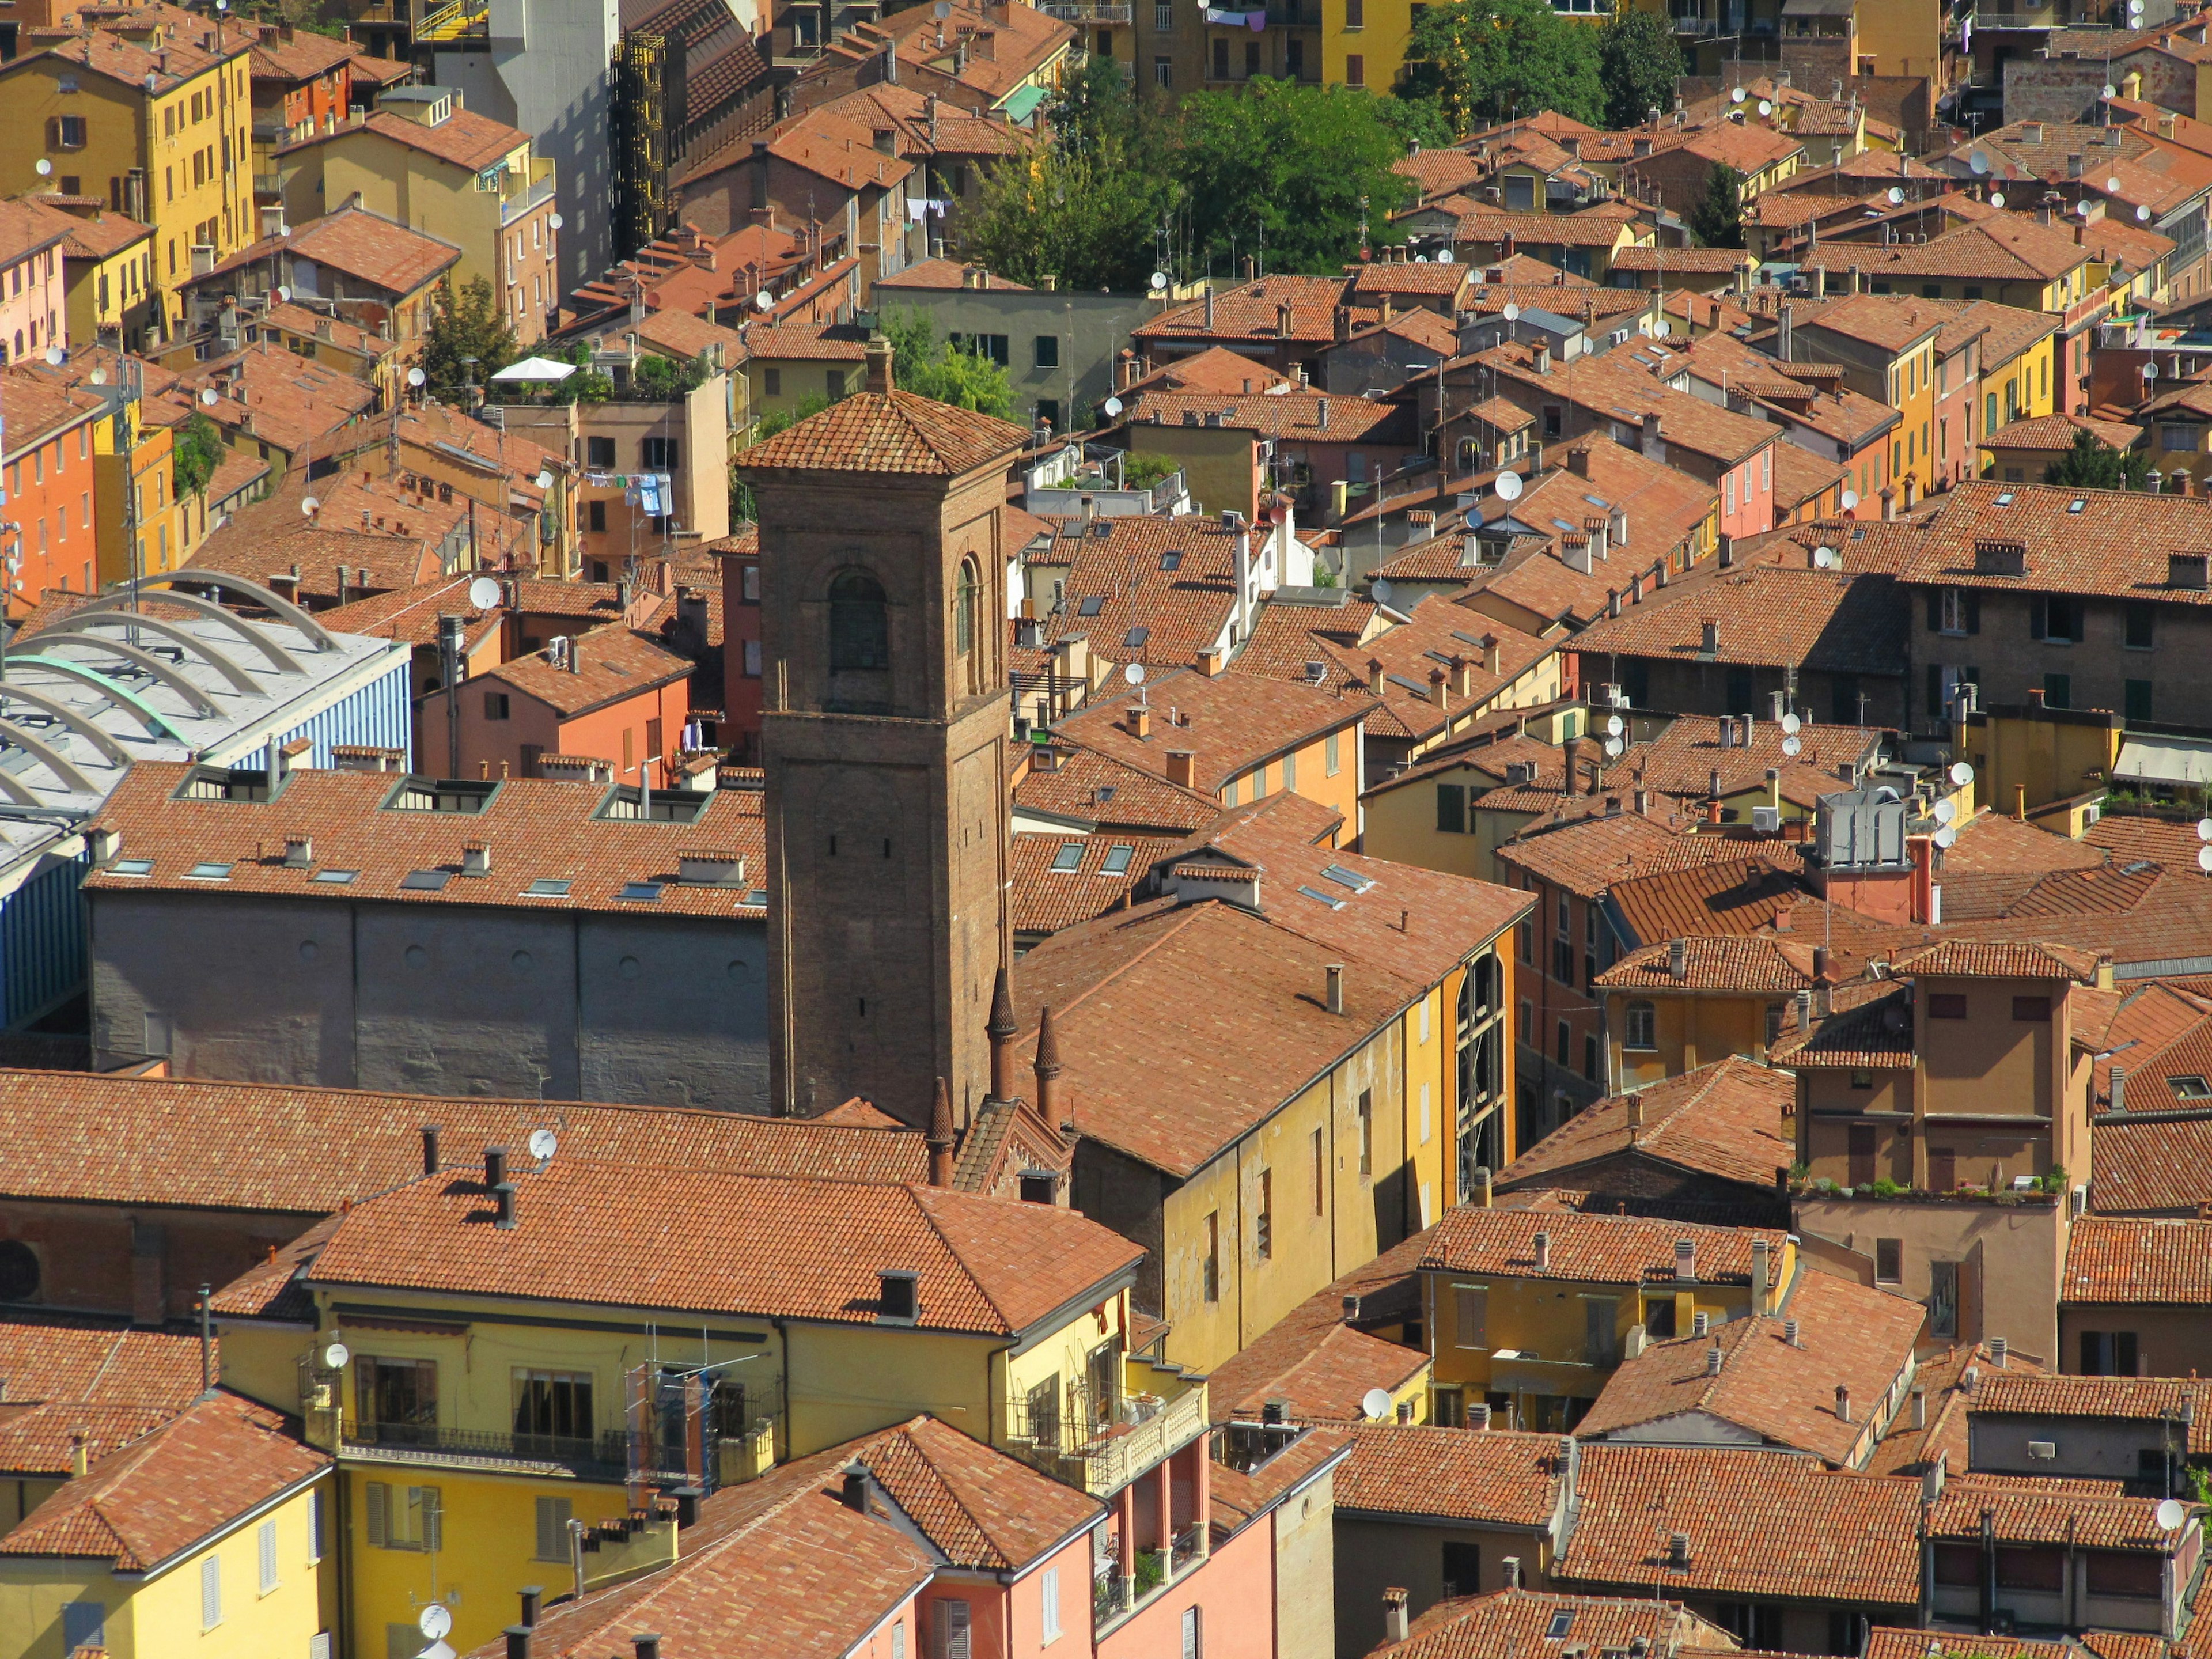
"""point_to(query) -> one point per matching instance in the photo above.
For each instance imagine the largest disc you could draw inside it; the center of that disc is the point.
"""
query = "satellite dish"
(763, 301)
(1736, 97)
(415, 377)
(2150, 371)
(2204, 860)
(484, 593)
(2172, 1511)
(1376, 1403)
(2112, 185)
(1789, 725)
(283, 295)
(1764, 107)
(1997, 199)
(309, 507)
(1662, 328)
(554, 221)
(941, 11)
(2204, 828)
(1961, 774)
(1444, 256)
(1946, 810)
(2143, 215)
(545, 478)
(1896, 196)
(1112, 406)
(1979, 162)
(98, 377)
(434, 1620)
(1946, 837)
(46, 167)
(1614, 726)
(2111, 91)
(209, 395)
(543, 1143)
(1512, 312)
(1159, 281)
(56, 356)
(1851, 499)
(1613, 748)
(1134, 673)
(1421, 259)
(337, 1354)
(1508, 486)
(1791, 745)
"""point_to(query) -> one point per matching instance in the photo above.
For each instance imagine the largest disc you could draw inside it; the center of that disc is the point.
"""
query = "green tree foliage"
(463, 325)
(1717, 219)
(587, 386)
(1483, 60)
(1287, 171)
(1089, 217)
(666, 379)
(775, 421)
(1416, 121)
(197, 451)
(2093, 463)
(932, 368)
(1638, 61)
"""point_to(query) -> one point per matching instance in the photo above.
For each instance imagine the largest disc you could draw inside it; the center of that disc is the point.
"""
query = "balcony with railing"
(611, 1456)
(1145, 1432)
(520, 193)
(1088, 11)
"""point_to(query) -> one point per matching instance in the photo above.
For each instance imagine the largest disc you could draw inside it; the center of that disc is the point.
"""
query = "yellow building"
(1434, 815)
(525, 1344)
(211, 1537)
(151, 111)
(1683, 1003)
(1348, 1019)
(1529, 1311)
(790, 371)
(1888, 346)
(108, 273)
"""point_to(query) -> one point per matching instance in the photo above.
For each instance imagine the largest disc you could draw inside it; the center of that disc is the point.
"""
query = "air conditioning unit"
(2043, 1450)
(1766, 820)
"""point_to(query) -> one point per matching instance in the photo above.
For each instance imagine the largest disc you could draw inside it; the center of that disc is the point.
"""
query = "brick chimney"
(1183, 767)
(1002, 1031)
(880, 364)
(1050, 1101)
(940, 1130)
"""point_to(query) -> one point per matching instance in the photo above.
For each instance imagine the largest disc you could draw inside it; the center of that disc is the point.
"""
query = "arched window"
(859, 629)
(1642, 1025)
(967, 599)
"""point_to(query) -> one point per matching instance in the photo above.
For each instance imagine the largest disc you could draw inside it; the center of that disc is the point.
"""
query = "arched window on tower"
(966, 598)
(860, 627)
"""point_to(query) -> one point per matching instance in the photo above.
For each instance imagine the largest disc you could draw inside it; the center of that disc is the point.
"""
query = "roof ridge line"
(914, 1197)
(952, 1491)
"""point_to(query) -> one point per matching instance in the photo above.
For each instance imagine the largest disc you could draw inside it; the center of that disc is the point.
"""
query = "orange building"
(49, 434)
(611, 696)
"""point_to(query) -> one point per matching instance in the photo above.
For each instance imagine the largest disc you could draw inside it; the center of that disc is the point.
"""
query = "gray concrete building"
(378, 930)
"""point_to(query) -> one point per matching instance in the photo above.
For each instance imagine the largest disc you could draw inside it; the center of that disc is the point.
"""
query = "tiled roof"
(413, 614)
(2009, 1392)
(1248, 312)
(1386, 1291)
(365, 246)
(1296, 417)
(65, 1378)
(184, 53)
(2061, 1513)
(1091, 787)
(1709, 899)
(1523, 1623)
(987, 1511)
(215, 1463)
(272, 393)
(1618, 387)
(1238, 1497)
(796, 341)
(1967, 959)
(534, 830)
(35, 408)
(29, 225)
(302, 57)
(1595, 1249)
(949, 274)
(889, 432)
(1229, 722)
(2116, 546)
(1871, 1030)
(2112, 1258)
(1850, 1335)
(306, 1151)
(1682, 261)
(2009, 247)
(1759, 1523)
(1723, 1120)
(1408, 276)
(1494, 1476)
(1145, 589)
(1832, 621)
(1759, 963)
(2057, 432)
(1946, 1380)
(1884, 1641)
(2151, 1163)
(683, 1239)
(1217, 369)
(1540, 230)
(1048, 893)
(610, 665)
(1585, 855)
(464, 139)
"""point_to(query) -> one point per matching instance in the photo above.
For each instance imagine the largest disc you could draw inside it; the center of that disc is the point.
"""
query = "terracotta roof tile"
(751, 1246)
(800, 343)
(2009, 1392)
(1966, 958)
(612, 664)
(1511, 1624)
(1296, 417)
(2152, 1165)
(1248, 312)
(464, 139)
(2009, 247)
(1050, 893)
(269, 392)
(365, 246)
(1943, 1380)
(2060, 1512)
(1725, 1120)
(1386, 1291)
(889, 432)
(1871, 1030)
(2057, 432)
(1758, 963)
(1229, 723)
(1329, 1383)
(2114, 1260)
(1496, 1476)
(1830, 621)
(65, 1378)
(1596, 1250)
(1087, 785)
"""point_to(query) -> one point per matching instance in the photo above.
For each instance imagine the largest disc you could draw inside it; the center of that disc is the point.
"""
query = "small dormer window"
(2191, 1088)
(898, 1299)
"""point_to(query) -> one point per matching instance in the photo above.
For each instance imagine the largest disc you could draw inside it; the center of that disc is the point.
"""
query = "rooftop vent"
(1793, 1333)
(1678, 1550)
(711, 869)
(421, 794)
(1686, 1258)
(1543, 1249)
(2187, 570)
(1713, 1357)
(298, 852)
(1995, 556)
(476, 859)
(898, 1297)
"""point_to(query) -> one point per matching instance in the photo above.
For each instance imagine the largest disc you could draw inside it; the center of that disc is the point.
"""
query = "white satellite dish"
(2204, 860)
(2172, 1511)
(1614, 726)
(1512, 312)
(1134, 673)
(2143, 215)
(1791, 745)
(56, 356)
(1736, 97)
(1508, 486)
(2111, 91)
(2112, 185)
(2204, 828)
(1789, 725)
(1961, 774)
(415, 377)
(1613, 748)
(1851, 499)
(484, 593)
(98, 377)
(543, 1143)
(46, 167)
(209, 395)
(1376, 1403)
(309, 507)
(545, 478)
(1979, 162)
(1159, 281)
(1444, 256)
(1421, 259)
(1946, 837)
(1661, 329)
(1896, 196)
(283, 295)
(434, 1620)
(763, 301)
(1764, 107)
(2150, 371)
(337, 1354)
(1112, 407)
(1946, 810)
(555, 222)
(1997, 199)
(941, 11)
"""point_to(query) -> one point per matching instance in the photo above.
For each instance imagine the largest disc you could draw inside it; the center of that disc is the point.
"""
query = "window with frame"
(859, 624)
(210, 1593)
(599, 451)
(1048, 350)
(264, 1542)
(552, 1412)
(495, 705)
(1048, 1603)
(948, 1634)
(1263, 1220)
(1320, 1174)
(1640, 1026)
(553, 1517)
(1041, 1409)
(1947, 1005)
(1366, 1132)
(659, 454)
(1194, 1634)
(1210, 1269)
(84, 1624)
(396, 1401)
(2138, 625)
(1888, 1261)
(1451, 808)
(404, 1517)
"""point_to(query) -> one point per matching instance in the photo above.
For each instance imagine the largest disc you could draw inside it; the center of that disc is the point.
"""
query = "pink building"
(31, 311)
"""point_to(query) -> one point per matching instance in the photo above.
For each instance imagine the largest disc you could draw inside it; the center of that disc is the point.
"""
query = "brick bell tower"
(886, 720)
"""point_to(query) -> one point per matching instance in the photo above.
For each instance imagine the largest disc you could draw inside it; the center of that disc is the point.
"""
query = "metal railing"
(1087, 11)
(524, 199)
(453, 20)
(606, 1455)
(1111, 1457)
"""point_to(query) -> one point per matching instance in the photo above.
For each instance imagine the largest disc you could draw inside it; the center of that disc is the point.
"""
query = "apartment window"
(1773, 1024)
(1424, 1114)
(210, 1593)
(552, 1406)
(1641, 1027)
(2058, 690)
(1527, 952)
(1957, 611)
(1263, 1225)
(495, 705)
(595, 517)
(599, 451)
(65, 132)
(84, 1624)
(1562, 1039)
(2178, 438)
(948, 1636)
(1210, 1271)
(404, 1517)
(1943, 1169)
(1291, 771)
(553, 1515)
(1947, 1005)
(1862, 1144)
(1659, 1318)
(2136, 701)
(1462, 1568)
(659, 454)
(396, 1401)
(1163, 19)
(1041, 1408)
(771, 382)
(1355, 14)
(264, 1541)
(1330, 763)
(1888, 1261)
(1355, 65)
(2054, 618)
(1943, 1298)
(1048, 1603)
(1590, 1058)
(1528, 1021)
(2139, 626)
(1164, 68)
(2108, 1353)
(318, 1519)
(1047, 352)
(2034, 1010)
(1602, 1330)
(833, 382)
(1193, 1635)
(1451, 808)
(1220, 58)
(1320, 1174)
(1366, 1132)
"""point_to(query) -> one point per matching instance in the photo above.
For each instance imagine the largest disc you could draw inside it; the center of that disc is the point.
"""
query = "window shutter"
(952, 1630)
(318, 1646)
(553, 1529)
(267, 1540)
(430, 1533)
(1192, 1639)
(1049, 1595)
(378, 1496)
(210, 1593)
(1935, 611)
(1973, 611)
(318, 1519)
(2038, 618)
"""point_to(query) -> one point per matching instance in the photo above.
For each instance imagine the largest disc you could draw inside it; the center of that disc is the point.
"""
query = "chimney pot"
(2000, 1352)
(1335, 970)
(1511, 1563)
(1843, 1402)
(298, 852)
(1920, 1408)
(1701, 1322)
(429, 1149)
(502, 1198)
(1393, 1615)
(1686, 1258)
(532, 1595)
(1792, 1333)
(517, 1642)
(1713, 1359)
(1678, 967)
(647, 1644)
(1678, 1549)
(1183, 767)
(1543, 1250)
(1478, 1414)
(853, 1492)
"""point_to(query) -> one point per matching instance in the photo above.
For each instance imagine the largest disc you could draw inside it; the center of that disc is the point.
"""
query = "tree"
(1638, 61)
(2092, 463)
(1717, 219)
(667, 380)
(1483, 61)
(196, 451)
(588, 385)
(1416, 121)
(931, 368)
(465, 326)
(1287, 172)
(1089, 217)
